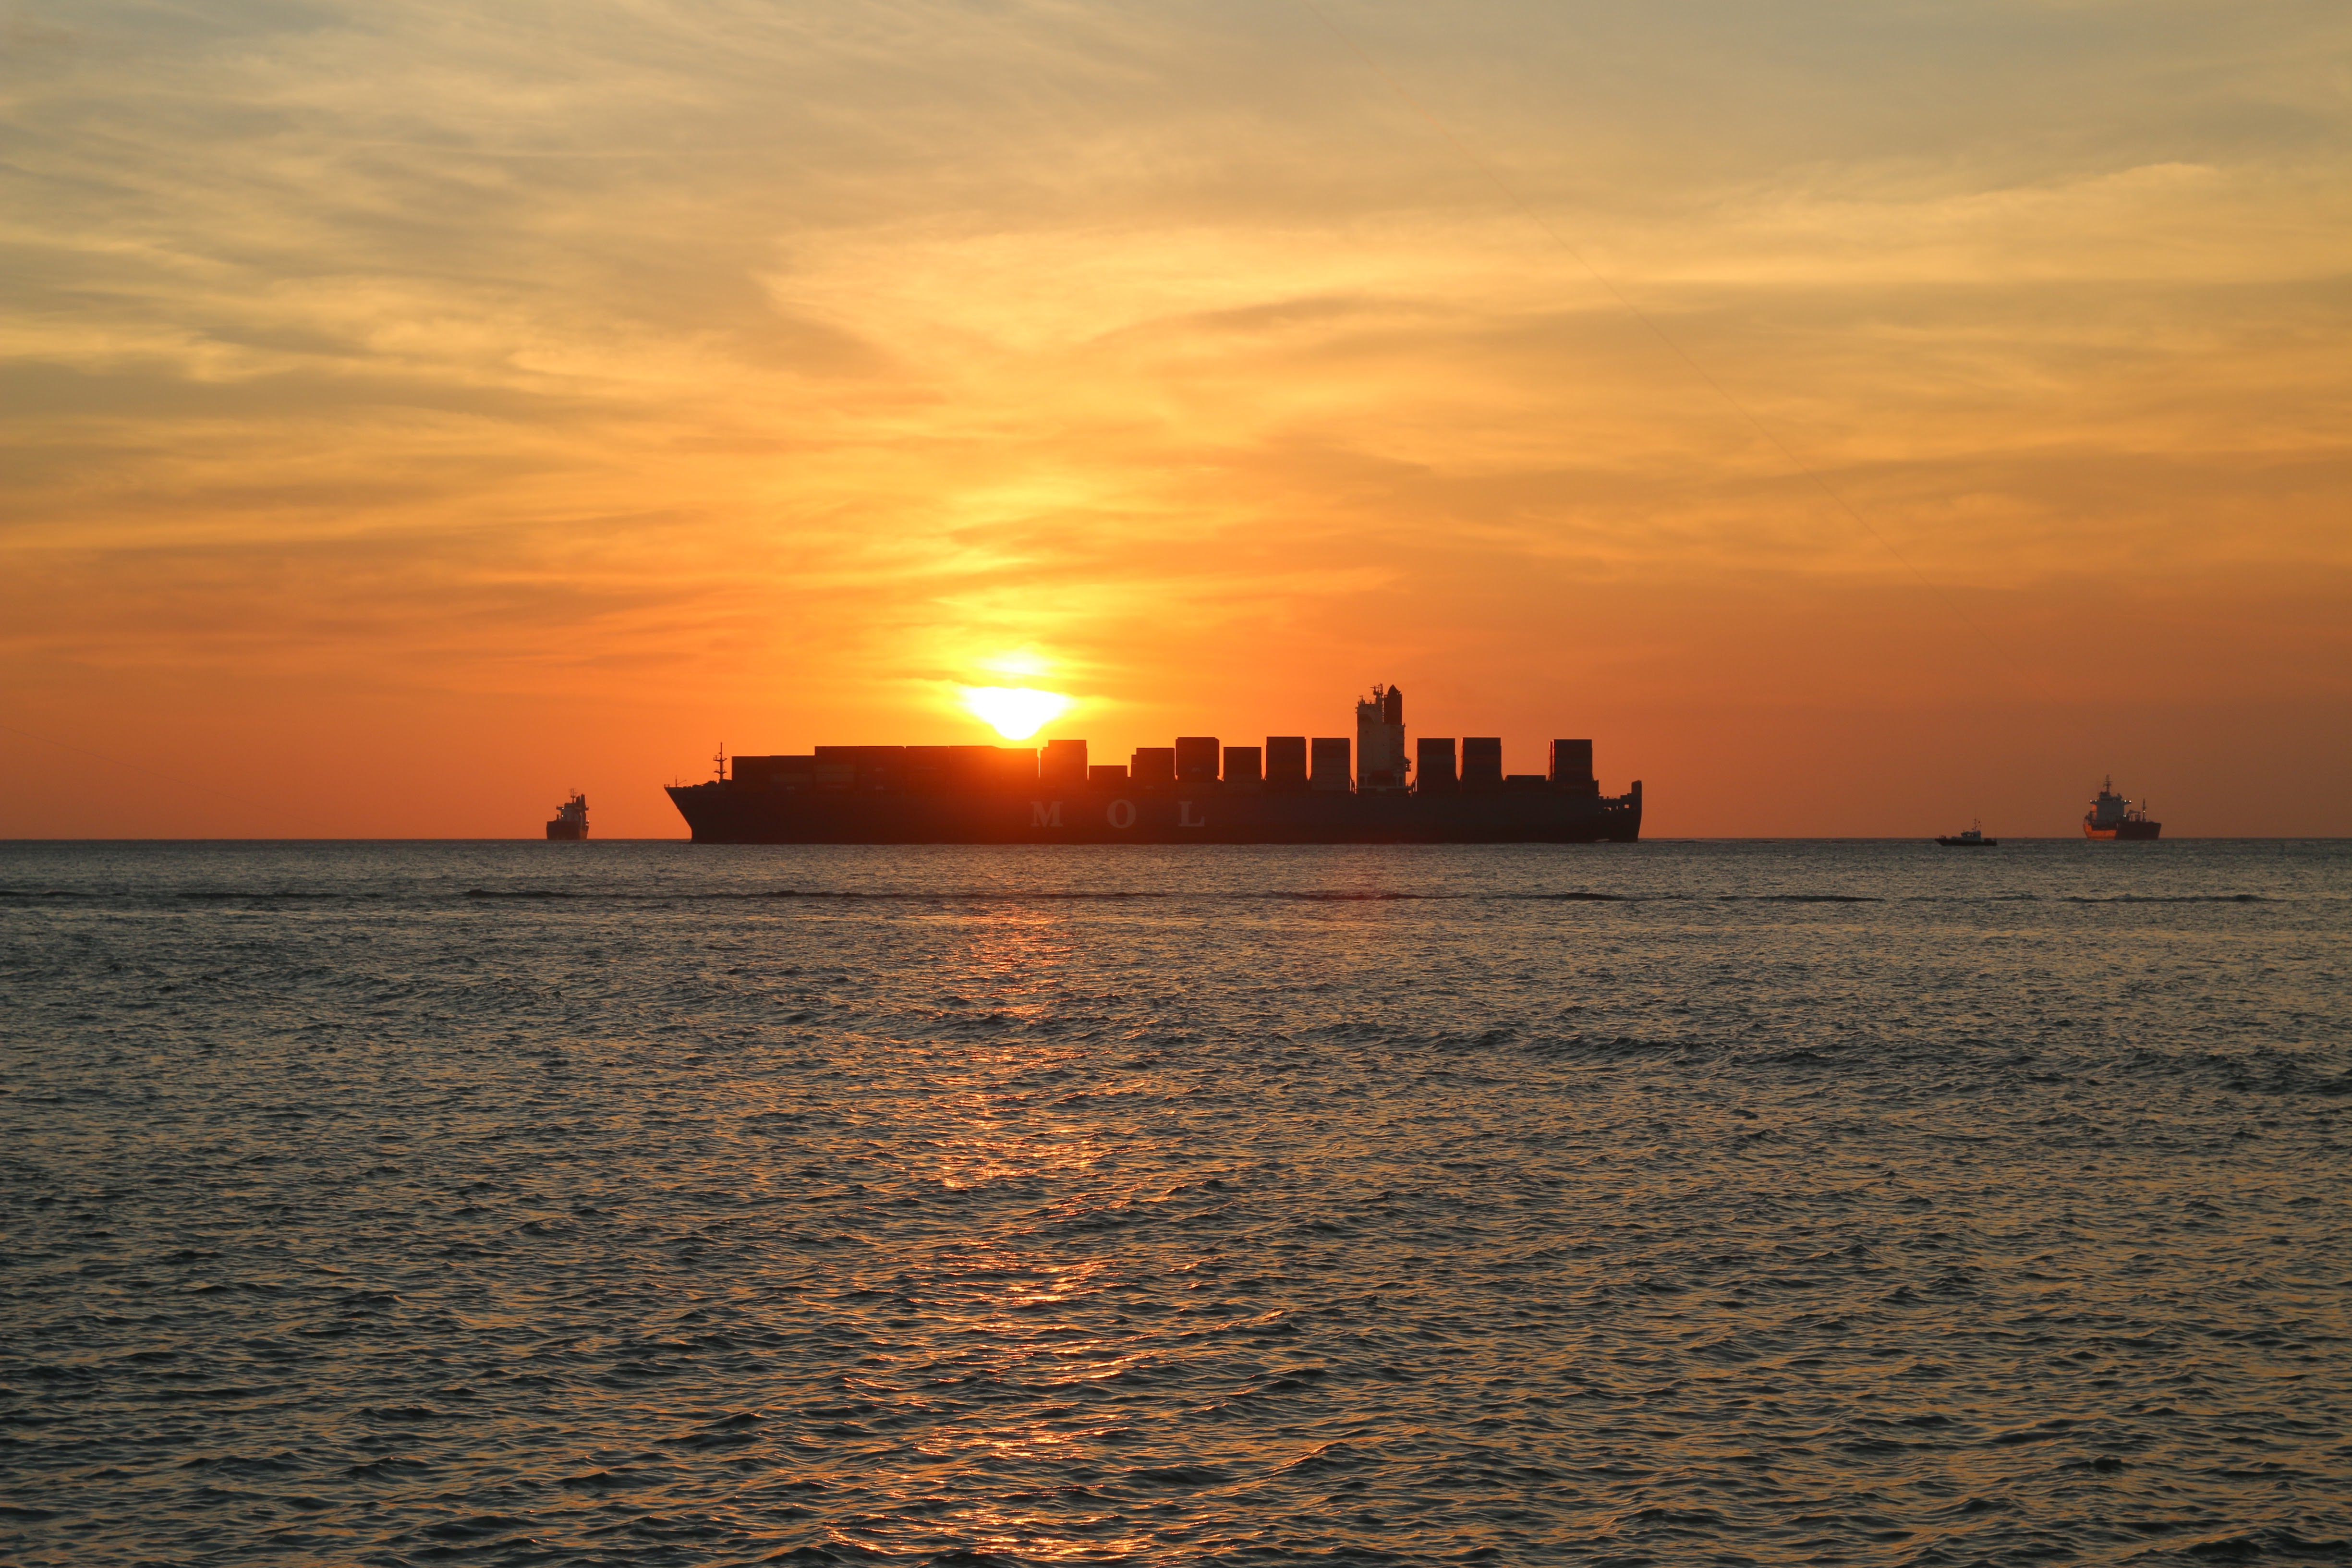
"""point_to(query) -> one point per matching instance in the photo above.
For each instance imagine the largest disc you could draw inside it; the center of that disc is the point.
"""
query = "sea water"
(1673, 1203)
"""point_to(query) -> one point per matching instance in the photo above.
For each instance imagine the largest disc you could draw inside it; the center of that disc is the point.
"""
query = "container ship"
(1295, 789)
(2113, 816)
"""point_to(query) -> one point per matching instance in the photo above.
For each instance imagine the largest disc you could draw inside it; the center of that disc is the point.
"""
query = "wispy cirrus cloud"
(809, 354)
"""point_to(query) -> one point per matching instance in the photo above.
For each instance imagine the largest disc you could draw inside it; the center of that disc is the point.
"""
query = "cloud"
(729, 348)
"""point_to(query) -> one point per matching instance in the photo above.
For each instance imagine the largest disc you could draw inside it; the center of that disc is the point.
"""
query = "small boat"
(1973, 838)
(570, 825)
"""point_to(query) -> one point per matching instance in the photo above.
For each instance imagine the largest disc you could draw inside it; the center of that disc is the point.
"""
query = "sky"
(1857, 418)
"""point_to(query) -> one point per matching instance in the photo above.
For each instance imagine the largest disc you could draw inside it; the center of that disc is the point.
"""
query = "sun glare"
(1022, 661)
(1016, 712)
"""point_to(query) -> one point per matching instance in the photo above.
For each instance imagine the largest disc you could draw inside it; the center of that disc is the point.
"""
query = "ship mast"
(720, 763)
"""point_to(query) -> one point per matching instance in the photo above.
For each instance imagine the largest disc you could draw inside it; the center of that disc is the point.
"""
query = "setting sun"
(1016, 712)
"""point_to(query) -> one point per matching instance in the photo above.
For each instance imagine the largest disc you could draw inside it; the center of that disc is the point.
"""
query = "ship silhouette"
(1295, 789)
(2113, 816)
(570, 825)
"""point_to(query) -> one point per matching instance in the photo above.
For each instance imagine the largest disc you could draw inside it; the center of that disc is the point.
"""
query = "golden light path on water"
(1016, 1310)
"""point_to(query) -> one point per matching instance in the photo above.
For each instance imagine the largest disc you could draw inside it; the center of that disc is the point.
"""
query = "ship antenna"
(720, 772)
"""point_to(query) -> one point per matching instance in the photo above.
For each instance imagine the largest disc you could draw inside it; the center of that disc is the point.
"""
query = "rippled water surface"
(1673, 1203)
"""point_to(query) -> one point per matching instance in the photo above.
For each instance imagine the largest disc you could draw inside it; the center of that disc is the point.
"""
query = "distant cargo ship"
(2113, 816)
(570, 825)
(1971, 838)
(1293, 790)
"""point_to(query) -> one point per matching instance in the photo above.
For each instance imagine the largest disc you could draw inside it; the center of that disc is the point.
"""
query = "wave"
(213, 893)
(2168, 898)
(1804, 897)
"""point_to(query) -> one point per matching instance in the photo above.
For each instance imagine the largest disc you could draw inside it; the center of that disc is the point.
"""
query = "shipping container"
(1571, 762)
(1285, 761)
(1065, 763)
(862, 769)
(1432, 764)
(1482, 762)
(954, 769)
(772, 773)
(1152, 766)
(929, 769)
(1244, 766)
(1331, 765)
(1106, 775)
(1196, 759)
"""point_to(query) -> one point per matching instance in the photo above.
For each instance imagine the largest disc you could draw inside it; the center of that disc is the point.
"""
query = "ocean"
(1722, 1202)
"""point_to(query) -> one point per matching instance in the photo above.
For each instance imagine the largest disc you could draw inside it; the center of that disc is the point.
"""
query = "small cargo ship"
(570, 825)
(2113, 816)
(1972, 837)
(1295, 789)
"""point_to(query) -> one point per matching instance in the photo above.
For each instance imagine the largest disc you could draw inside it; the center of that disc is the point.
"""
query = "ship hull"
(725, 813)
(567, 832)
(2125, 830)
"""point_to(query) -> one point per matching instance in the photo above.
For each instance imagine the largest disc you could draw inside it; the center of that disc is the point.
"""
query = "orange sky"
(414, 415)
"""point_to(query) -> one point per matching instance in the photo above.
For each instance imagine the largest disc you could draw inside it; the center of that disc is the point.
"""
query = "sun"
(1016, 712)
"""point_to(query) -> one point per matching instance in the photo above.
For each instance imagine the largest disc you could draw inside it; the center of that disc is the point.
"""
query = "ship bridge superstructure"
(1380, 740)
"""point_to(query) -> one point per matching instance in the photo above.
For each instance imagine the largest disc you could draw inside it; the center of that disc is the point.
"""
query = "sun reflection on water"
(1016, 1314)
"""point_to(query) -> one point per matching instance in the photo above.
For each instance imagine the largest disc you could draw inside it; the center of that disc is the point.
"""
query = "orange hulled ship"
(2113, 816)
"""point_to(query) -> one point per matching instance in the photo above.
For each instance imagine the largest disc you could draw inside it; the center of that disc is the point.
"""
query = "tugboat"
(570, 825)
(1973, 838)
(2113, 816)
